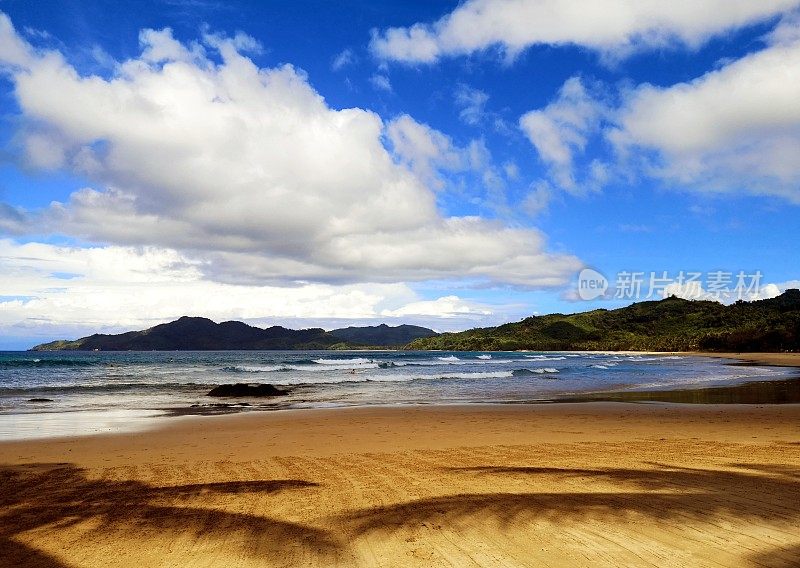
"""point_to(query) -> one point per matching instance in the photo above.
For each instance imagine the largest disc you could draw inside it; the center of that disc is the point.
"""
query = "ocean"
(74, 393)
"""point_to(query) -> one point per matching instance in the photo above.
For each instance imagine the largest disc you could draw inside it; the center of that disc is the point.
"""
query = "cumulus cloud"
(612, 27)
(13, 220)
(48, 289)
(444, 307)
(16, 52)
(561, 129)
(735, 128)
(425, 150)
(695, 291)
(248, 170)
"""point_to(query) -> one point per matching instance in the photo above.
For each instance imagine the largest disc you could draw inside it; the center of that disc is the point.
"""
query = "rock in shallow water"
(242, 390)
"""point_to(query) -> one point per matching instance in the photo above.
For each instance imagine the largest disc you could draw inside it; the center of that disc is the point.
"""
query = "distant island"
(672, 324)
(203, 334)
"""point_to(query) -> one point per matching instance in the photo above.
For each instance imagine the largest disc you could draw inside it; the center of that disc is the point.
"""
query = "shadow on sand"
(57, 496)
(667, 494)
(60, 495)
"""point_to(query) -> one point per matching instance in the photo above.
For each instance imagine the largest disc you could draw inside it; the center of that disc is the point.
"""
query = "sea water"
(86, 392)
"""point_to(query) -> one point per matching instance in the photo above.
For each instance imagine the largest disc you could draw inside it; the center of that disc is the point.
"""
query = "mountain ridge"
(671, 324)
(203, 334)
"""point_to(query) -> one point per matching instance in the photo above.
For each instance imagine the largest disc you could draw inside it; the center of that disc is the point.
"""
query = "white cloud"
(694, 291)
(735, 128)
(561, 129)
(48, 289)
(511, 170)
(612, 27)
(538, 198)
(13, 220)
(36, 33)
(343, 59)
(426, 150)
(381, 83)
(248, 171)
(15, 52)
(472, 103)
(444, 307)
(415, 44)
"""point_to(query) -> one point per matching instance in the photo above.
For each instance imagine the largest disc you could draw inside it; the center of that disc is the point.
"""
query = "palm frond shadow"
(61, 495)
(659, 492)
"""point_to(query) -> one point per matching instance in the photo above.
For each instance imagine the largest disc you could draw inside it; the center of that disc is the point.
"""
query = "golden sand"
(592, 484)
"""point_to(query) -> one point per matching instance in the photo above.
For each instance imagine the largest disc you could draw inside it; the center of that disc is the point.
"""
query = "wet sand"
(781, 391)
(590, 484)
(772, 359)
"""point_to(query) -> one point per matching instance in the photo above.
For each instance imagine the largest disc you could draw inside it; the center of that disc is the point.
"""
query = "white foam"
(304, 368)
(357, 361)
(254, 368)
(492, 375)
(333, 367)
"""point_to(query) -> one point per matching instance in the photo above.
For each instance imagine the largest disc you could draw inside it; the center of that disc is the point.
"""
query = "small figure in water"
(352, 371)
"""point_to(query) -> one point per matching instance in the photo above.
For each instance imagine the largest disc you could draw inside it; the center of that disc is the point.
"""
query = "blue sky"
(449, 164)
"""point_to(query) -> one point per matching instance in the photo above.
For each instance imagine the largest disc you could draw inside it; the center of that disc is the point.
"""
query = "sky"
(446, 164)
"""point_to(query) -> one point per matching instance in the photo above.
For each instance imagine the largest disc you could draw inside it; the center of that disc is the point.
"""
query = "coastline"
(332, 431)
(768, 359)
(570, 483)
(757, 358)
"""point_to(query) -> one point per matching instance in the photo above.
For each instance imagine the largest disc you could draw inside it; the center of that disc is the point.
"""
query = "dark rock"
(40, 400)
(242, 390)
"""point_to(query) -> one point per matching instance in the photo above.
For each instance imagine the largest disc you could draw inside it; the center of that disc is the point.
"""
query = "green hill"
(382, 334)
(672, 324)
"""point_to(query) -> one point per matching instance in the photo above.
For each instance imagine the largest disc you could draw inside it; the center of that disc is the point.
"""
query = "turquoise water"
(110, 391)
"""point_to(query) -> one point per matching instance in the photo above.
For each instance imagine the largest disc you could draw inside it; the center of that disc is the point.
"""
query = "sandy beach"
(775, 359)
(600, 484)
(462, 284)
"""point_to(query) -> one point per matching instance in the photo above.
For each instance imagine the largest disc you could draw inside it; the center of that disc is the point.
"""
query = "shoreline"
(332, 431)
(601, 483)
(604, 483)
(766, 359)
(759, 391)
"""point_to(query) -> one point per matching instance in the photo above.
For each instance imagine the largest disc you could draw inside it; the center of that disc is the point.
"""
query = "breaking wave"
(45, 363)
(530, 372)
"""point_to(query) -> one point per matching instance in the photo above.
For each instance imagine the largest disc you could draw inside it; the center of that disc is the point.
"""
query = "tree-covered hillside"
(672, 324)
